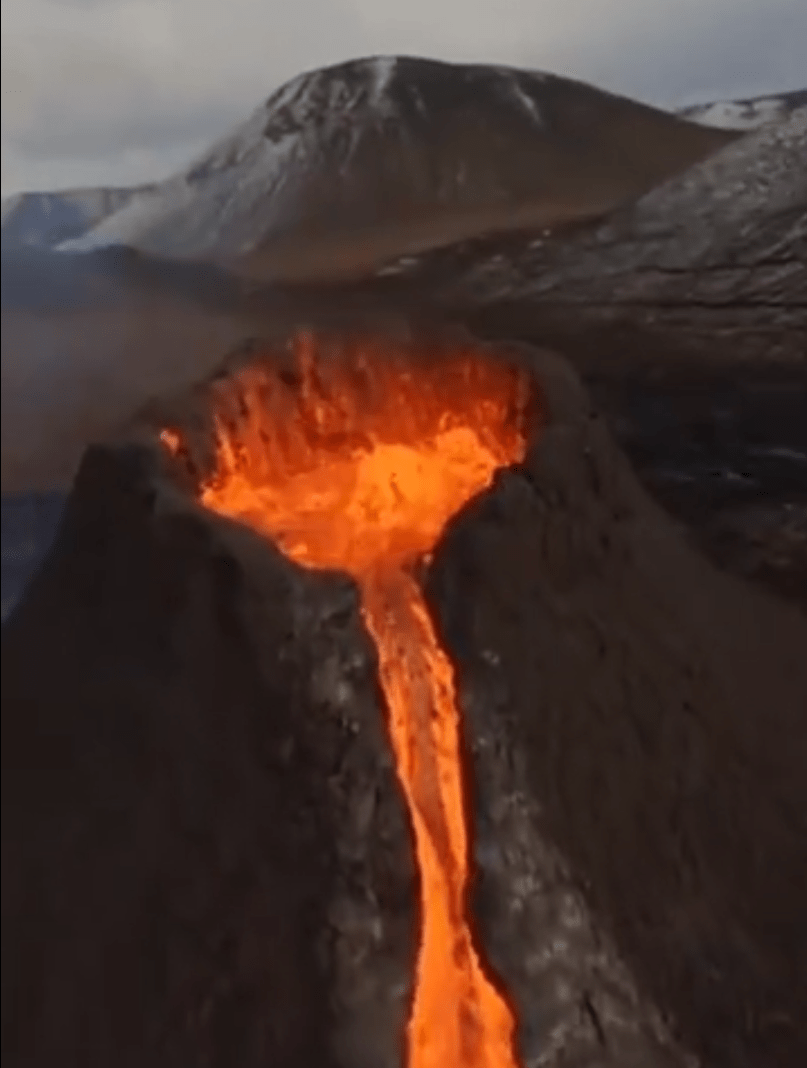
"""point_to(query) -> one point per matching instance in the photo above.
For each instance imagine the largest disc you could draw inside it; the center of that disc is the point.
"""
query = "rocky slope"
(202, 837)
(710, 265)
(344, 165)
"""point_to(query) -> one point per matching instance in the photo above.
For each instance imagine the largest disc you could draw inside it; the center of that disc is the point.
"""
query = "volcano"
(367, 713)
(362, 474)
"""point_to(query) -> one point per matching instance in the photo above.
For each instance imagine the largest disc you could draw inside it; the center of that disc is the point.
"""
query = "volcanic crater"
(393, 724)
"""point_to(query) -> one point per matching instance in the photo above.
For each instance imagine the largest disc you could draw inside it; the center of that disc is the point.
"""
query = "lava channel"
(359, 469)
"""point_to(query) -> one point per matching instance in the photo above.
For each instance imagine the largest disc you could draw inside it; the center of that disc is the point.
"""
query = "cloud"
(101, 91)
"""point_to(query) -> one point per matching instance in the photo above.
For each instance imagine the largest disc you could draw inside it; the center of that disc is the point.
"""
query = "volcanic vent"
(357, 464)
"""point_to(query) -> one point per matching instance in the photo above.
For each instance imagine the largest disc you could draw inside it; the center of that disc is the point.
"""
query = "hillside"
(709, 264)
(344, 166)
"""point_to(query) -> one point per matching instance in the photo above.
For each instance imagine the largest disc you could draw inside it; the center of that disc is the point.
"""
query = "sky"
(115, 92)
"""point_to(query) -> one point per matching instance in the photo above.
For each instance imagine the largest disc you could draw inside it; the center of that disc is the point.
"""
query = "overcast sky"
(121, 91)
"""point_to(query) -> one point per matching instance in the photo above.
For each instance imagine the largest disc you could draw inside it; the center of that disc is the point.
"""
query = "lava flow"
(359, 468)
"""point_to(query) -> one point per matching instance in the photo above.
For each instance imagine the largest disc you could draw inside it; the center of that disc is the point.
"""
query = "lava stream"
(458, 1018)
(364, 480)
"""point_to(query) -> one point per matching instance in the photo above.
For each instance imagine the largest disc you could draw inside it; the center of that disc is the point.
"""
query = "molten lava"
(358, 468)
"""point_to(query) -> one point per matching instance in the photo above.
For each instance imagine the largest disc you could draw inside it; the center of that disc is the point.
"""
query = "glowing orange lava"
(359, 468)
(171, 440)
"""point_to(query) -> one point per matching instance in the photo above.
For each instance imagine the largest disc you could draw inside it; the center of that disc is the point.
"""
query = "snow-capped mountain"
(745, 114)
(348, 165)
(44, 220)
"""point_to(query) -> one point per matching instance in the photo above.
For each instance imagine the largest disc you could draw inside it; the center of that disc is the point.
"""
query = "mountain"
(746, 114)
(348, 106)
(44, 220)
(347, 165)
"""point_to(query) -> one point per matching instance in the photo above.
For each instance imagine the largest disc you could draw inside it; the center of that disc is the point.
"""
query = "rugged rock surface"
(205, 855)
(644, 714)
(726, 455)
(710, 267)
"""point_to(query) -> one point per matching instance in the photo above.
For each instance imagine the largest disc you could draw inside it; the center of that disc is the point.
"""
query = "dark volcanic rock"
(646, 715)
(206, 858)
(726, 454)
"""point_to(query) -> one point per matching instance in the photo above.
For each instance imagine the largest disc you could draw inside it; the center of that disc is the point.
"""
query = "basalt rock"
(206, 855)
(641, 716)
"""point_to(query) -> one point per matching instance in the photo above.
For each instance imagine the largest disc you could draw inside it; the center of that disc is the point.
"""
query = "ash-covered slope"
(203, 840)
(45, 220)
(348, 164)
(710, 268)
(746, 114)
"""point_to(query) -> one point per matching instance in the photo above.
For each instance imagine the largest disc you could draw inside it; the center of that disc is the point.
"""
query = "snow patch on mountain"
(745, 114)
(240, 173)
(245, 175)
(526, 101)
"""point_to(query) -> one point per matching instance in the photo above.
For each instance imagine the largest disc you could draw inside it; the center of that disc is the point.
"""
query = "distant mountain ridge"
(401, 154)
(45, 220)
(748, 113)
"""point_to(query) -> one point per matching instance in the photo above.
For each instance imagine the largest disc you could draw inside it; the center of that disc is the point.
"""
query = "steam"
(86, 342)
